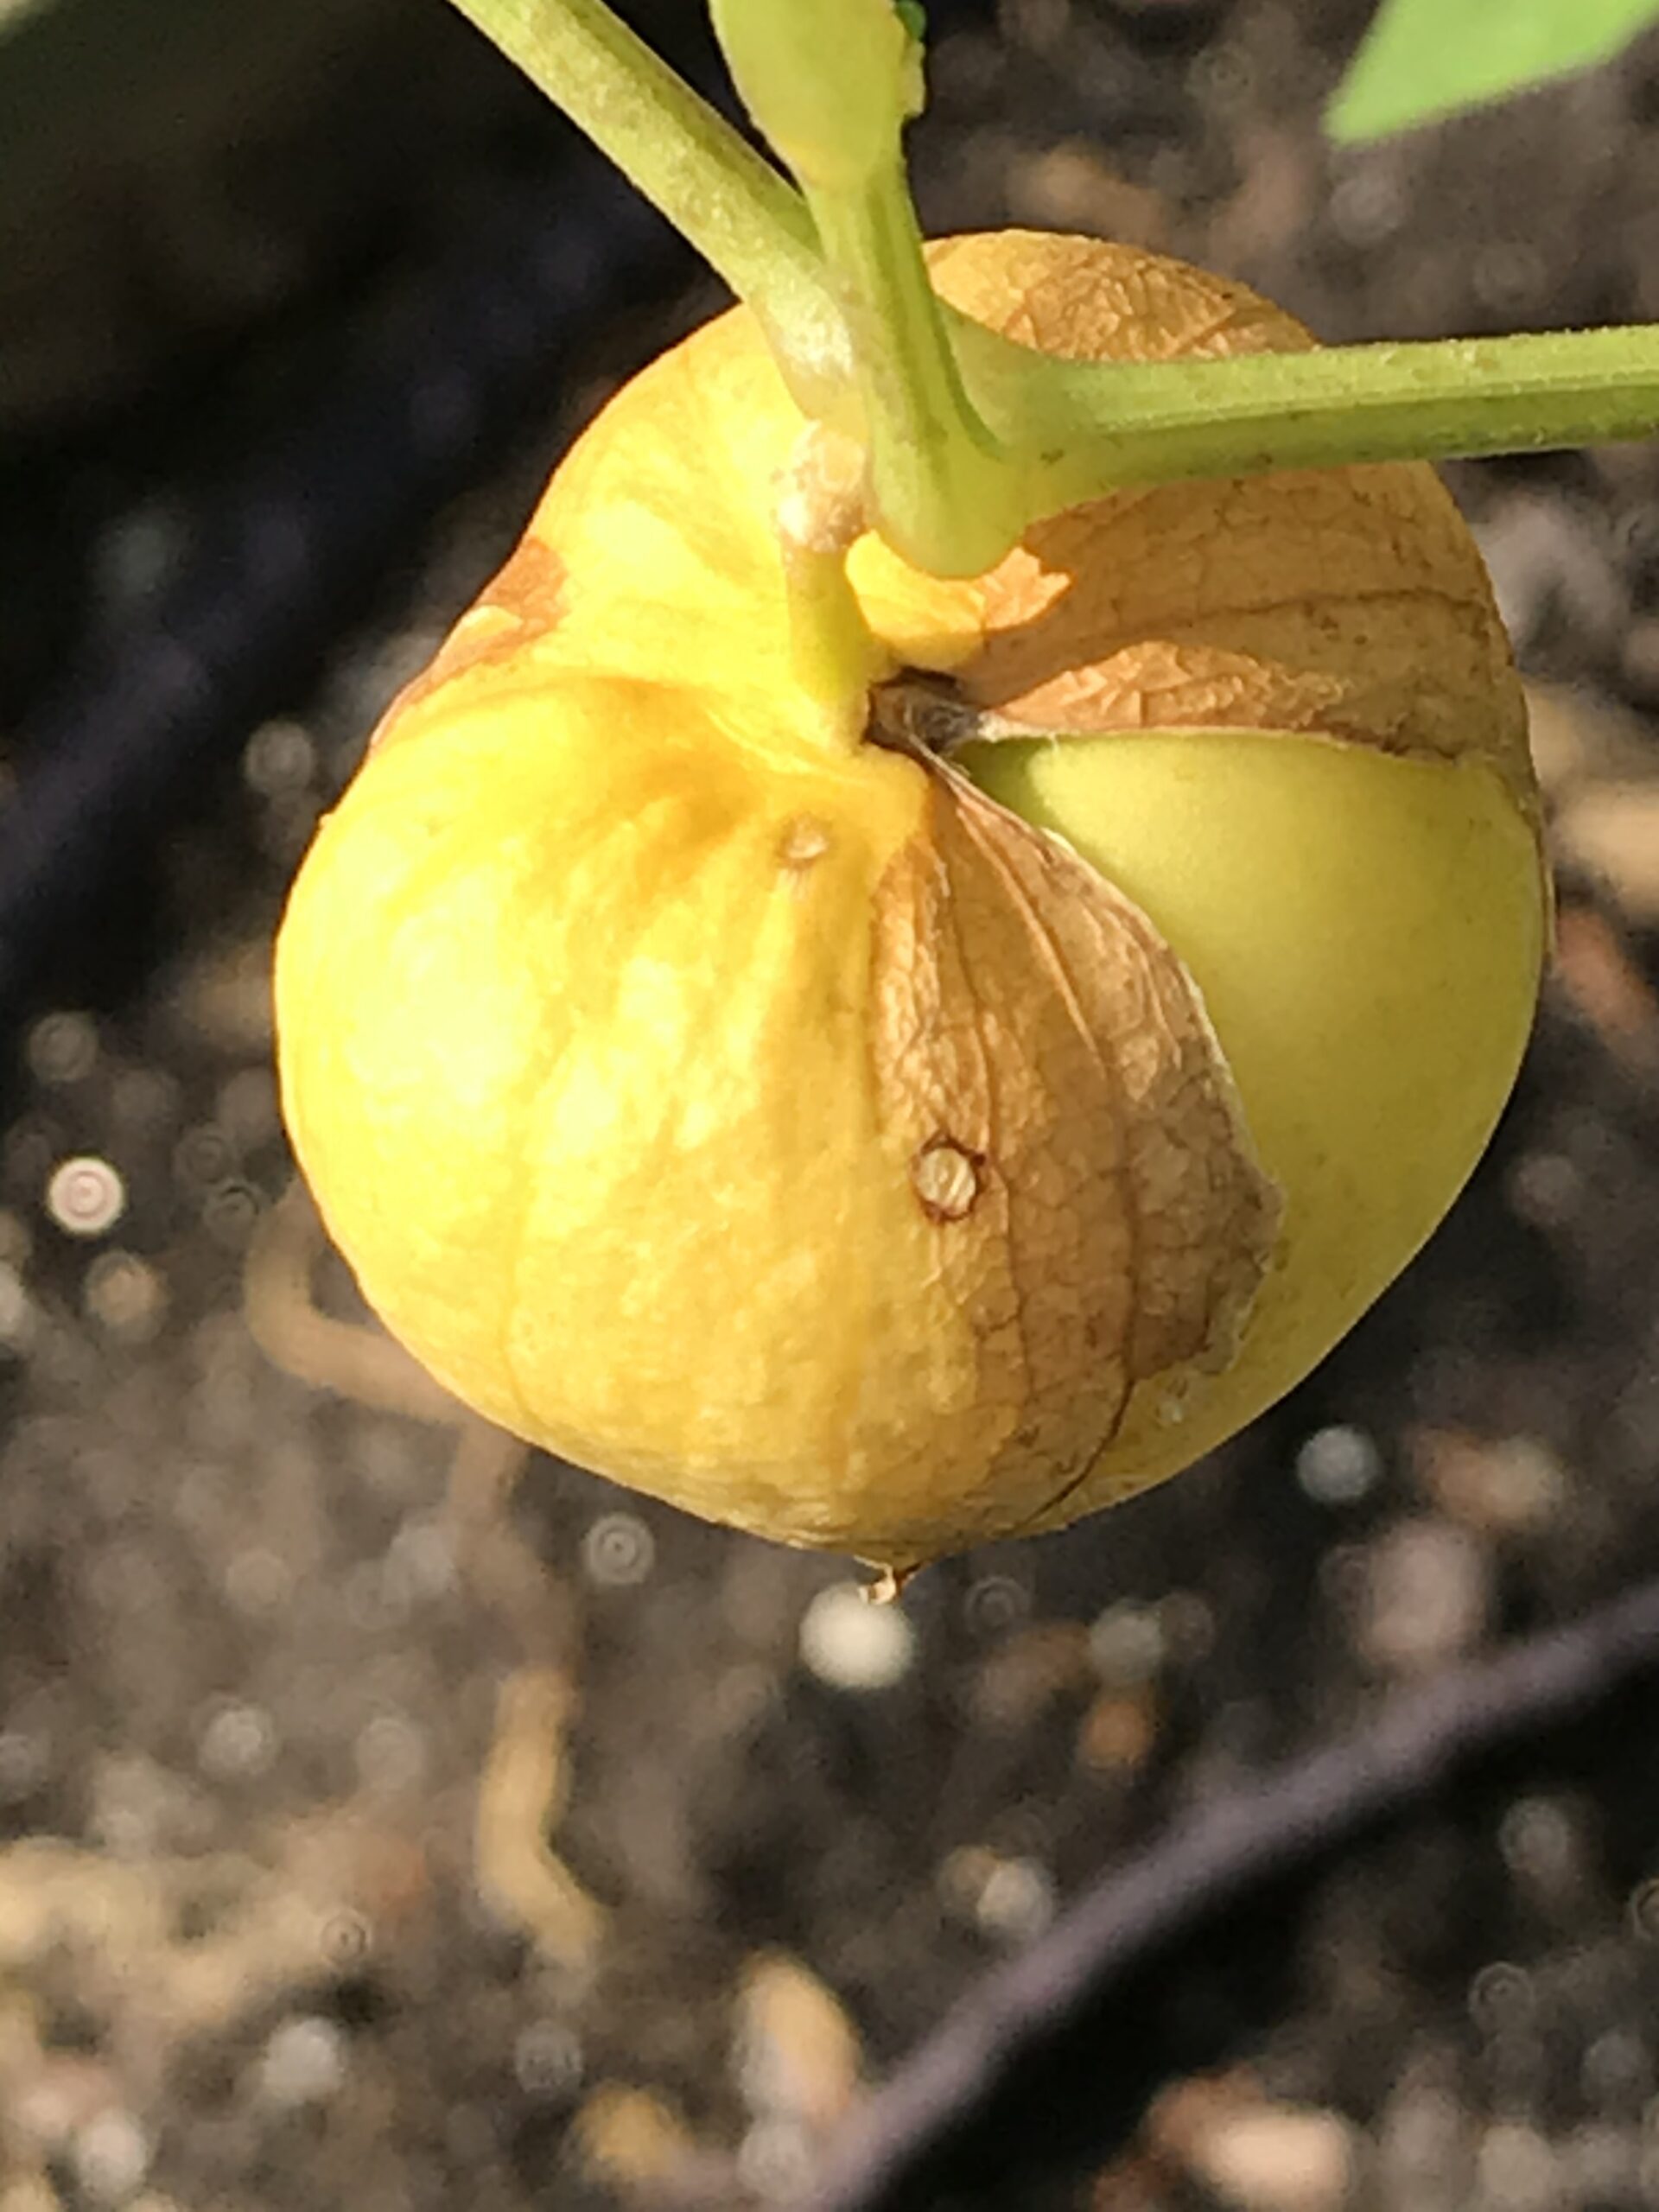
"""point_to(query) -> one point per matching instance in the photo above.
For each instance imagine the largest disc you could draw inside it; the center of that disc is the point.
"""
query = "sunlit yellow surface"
(575, 994)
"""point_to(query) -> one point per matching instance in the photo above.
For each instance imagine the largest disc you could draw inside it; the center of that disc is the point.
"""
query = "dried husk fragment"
(1349, 604)
(1045, 1061)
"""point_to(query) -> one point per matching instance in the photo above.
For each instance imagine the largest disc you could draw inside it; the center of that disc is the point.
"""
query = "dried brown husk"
(1044, 1059)
(1030, 1016)
(1347, 603)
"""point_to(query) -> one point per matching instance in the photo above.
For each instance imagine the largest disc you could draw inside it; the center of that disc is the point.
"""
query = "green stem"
(740, 215)
(834, 654)
(818, 515)
(1077, 429)
(940, 491)
(833, 91)
(971, 436)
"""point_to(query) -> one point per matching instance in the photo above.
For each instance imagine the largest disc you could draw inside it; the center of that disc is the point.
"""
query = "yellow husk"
(804, 1137)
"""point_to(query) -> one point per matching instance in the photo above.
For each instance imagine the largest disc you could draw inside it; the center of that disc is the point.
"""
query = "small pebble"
(238, 1743)
(202, 1157)
(62, 1048)
(1255, 2156)
(797, 2054)
(1188, 1623)
(1545, 1189)
(1545, 1848)
(85, 1195)
(1127, 1644)
(1426, 1597)
(633, 2139)
(146, 1101)
(304, 2062)
(1510, 1486)
(229, 1213)
(995, 1604)
(1339, 1465)
(775, 2161)
(1368, 206)
(854, 1645)
(1618, 2071)
(125, 1296)
(1515, 2169)
(280, 758)
(619, 1551)
(1118, 1732)
(1423, 2151)
(1017, 1901)
(1547, 555)
(391, 1754)
(420, 1563)
(547, 2059)
(110, 2157)
(1611, 829)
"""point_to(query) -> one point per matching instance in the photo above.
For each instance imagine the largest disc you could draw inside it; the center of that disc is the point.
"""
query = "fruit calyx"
(1073, 1128)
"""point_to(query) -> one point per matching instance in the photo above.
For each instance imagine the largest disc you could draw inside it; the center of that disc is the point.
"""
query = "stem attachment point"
(834, 654)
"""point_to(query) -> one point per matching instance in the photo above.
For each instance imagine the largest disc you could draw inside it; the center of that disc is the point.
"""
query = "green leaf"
(1427, 58)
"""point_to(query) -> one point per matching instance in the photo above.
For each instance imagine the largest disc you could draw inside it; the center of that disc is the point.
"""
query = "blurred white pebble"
(1427, 1596)
(85, 1195)
(125, 1295)
(547, 2059)
(1339, 1465)
(62, 1048)
(797, 2054)
(1254, 2154)
(238, 1743)
(110, 2157)
(1017, 1902)
(303, 2064)
(619, 1551)
(775, 2161)
(854, 1645)
(281, 756)
(1126, 1644)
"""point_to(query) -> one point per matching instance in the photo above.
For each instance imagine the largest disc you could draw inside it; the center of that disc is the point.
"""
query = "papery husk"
(1347, 603)
(1074, 1135)
(971, 1194)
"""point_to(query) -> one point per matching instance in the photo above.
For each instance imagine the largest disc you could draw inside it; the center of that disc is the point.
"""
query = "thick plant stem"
(835, 655)
(1079, 429)
(940, 492)
(832, 88)
(971, 436)
(740, 215)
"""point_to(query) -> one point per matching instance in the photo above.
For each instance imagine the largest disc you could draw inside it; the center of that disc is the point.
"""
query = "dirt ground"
(387, 1824)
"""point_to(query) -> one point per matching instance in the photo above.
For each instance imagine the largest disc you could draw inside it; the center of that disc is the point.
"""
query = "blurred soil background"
(369, 1841)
